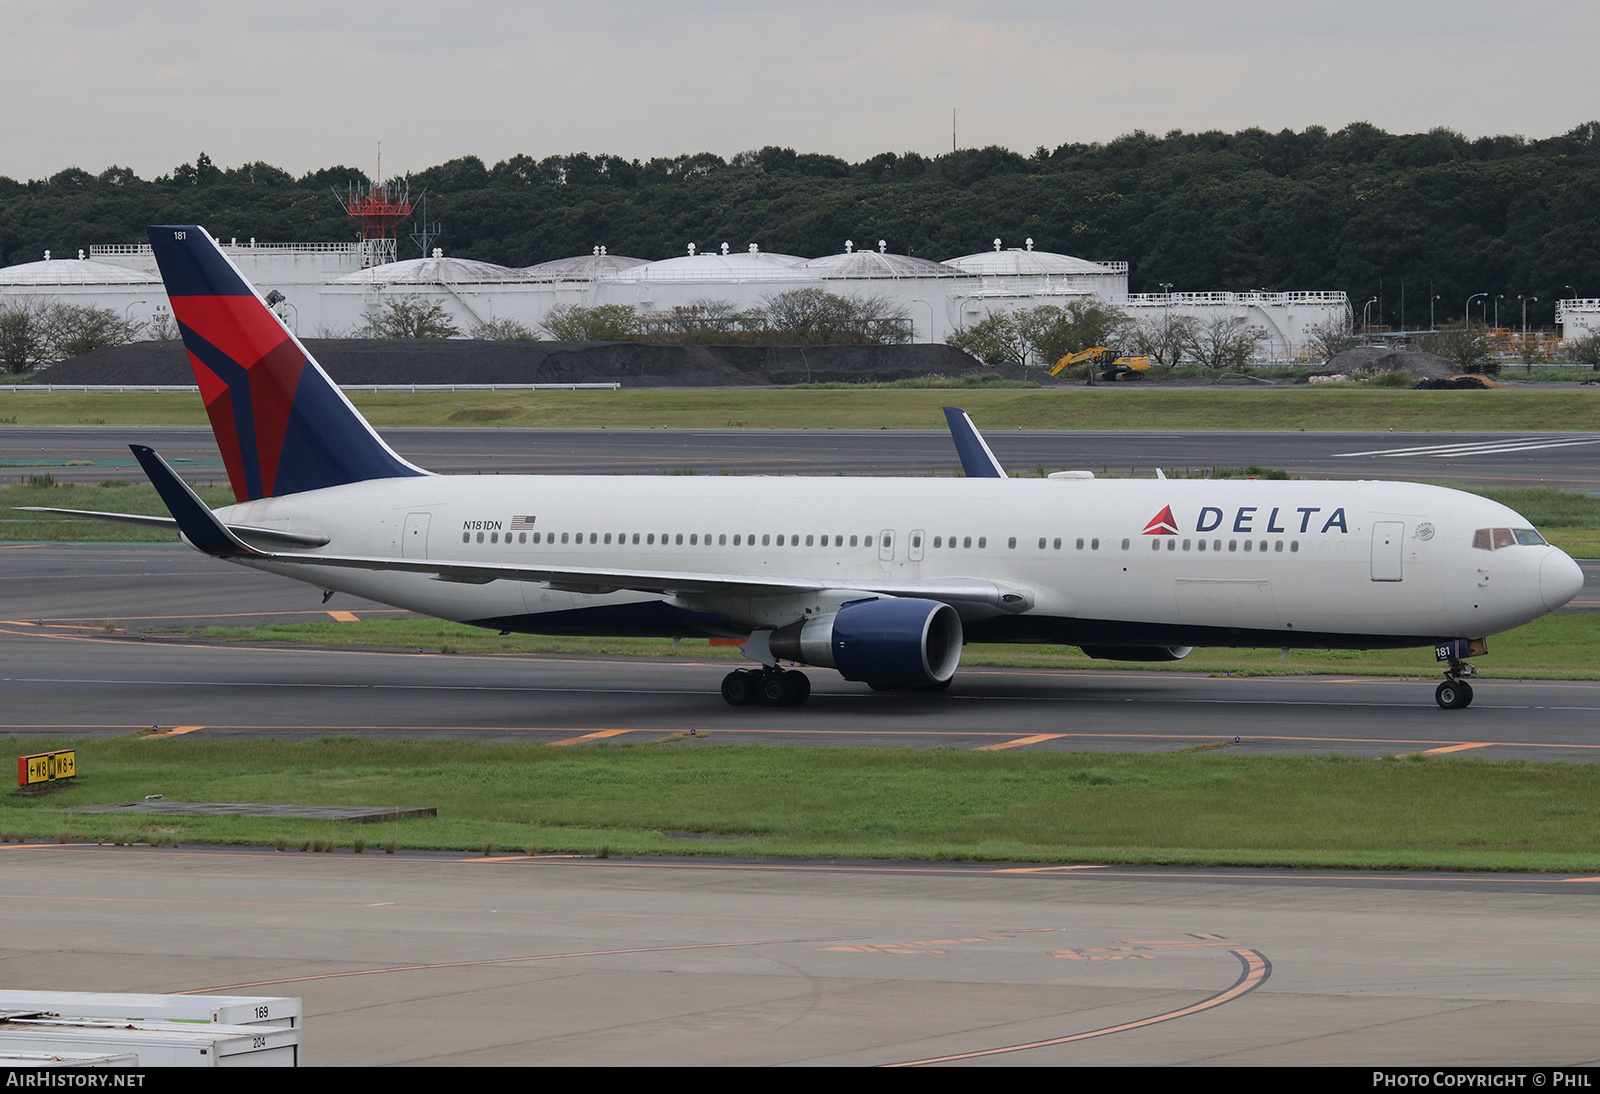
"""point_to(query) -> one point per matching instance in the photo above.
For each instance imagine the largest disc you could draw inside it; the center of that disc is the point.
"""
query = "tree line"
(1414, 222)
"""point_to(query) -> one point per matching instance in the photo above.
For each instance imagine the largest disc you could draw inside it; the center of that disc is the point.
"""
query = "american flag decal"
(522, 523)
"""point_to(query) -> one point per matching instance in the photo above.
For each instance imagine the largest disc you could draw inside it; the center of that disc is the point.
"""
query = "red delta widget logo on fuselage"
(1245, 517)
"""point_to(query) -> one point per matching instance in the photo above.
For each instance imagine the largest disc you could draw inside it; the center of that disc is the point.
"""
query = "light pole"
(1431, 301)
(1525, 301)
(1470, 299)
(1497, 300)
(1366, 327)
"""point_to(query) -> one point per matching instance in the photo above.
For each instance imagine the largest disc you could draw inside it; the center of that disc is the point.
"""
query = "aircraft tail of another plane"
(283, 426)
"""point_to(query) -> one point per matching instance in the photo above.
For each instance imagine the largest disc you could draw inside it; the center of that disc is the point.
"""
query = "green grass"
(1106, 406)
(1216, 807)
(1557, 647)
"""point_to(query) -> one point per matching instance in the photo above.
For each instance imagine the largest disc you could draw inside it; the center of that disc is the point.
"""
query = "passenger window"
(1080, 543)
(1172, 545)
(808, 541)
(1185, 545)
(679, 540)
(563, 537)
(636, 538)
(1216, 545)
(650, 540)
(1263, 545)
(1124, 545)
(1233, 545)
(722, 540)
(466, 537)
(983, 542)
(1057, 543)
(494, 537)
(1094, 545)
(1277, 546)
(1012, 543)
(794, 541)
(853, 541)
(593, 536)
(838, 541)
(766, 540)
(1201, 545)
(608, 537)
(1155, 545)
(736, 540)
(1294, 546)
(938, 541)
(866, 541)
(1247, 545)
(536, 536)
(1041, 543)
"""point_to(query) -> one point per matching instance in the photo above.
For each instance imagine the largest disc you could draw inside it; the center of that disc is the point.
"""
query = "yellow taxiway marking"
(596, 736)
(1019, 742)
(175, 731)
(345, 617)
(1454, 748)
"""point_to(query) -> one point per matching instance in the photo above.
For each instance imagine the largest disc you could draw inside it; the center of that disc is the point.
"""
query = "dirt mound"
(632, 364)
(1427, 366)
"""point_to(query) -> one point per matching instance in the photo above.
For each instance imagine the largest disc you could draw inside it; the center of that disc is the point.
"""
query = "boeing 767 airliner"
(882, 579)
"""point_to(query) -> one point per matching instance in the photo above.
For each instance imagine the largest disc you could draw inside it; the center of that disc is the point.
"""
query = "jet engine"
(898, 641)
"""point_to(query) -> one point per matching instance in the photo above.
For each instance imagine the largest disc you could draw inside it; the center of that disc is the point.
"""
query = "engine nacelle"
(893, 640)
(1138, 653)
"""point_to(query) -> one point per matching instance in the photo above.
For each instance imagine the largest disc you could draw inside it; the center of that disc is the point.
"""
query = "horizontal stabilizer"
(246, 531)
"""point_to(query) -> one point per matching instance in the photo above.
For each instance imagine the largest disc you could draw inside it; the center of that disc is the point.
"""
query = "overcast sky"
(303, 85)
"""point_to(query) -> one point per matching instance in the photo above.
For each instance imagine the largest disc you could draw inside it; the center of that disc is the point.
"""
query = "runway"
(63, 675)
(1568, 461)
(437, 959)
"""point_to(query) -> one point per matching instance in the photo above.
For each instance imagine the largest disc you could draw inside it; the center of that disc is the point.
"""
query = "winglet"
(198, 524)
(976, 459)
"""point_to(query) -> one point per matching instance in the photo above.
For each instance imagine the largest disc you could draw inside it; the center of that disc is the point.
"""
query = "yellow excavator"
(1129, 367)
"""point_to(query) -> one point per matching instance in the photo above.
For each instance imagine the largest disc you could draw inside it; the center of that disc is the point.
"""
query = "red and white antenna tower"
(380, 207)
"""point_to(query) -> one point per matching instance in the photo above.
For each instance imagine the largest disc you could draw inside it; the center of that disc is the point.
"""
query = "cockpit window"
(1492, 539)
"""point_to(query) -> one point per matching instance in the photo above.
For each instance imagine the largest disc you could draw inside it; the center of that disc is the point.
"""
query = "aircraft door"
(414, 539)
(1388, 537)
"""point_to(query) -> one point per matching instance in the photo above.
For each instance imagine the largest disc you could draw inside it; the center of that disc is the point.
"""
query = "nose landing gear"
(771, 687)
(1455, 692)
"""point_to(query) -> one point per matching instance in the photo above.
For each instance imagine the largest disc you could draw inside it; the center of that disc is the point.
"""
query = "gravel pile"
(632, 364)
(1369, 359)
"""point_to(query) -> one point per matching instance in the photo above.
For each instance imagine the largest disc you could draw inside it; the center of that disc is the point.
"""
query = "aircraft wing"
(201, 528)
(977, 461)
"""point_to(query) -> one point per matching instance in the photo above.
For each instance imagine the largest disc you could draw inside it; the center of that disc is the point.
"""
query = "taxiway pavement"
(1567, 460)
(450, 960)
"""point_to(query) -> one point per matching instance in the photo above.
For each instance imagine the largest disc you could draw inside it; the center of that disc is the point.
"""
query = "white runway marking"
(1476, 448)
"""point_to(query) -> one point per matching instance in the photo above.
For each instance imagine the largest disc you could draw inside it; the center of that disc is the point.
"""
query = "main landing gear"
(1455, 692)
(771, 687)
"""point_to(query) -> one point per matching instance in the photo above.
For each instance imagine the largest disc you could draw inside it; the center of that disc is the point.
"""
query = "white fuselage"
(1257, 562)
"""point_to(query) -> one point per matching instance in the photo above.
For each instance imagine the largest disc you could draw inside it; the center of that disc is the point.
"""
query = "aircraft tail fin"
(283, 426)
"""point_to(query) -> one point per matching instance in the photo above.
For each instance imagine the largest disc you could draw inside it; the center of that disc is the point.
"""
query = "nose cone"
(1560, 579)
